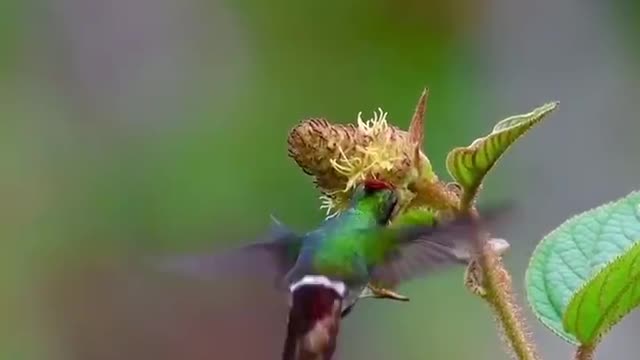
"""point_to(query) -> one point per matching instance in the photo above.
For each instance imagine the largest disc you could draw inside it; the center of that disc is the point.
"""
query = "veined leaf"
(568, 261)
(469, 165)
(606, 298)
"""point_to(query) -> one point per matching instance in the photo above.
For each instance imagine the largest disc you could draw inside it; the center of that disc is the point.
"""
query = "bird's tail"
(314, 322)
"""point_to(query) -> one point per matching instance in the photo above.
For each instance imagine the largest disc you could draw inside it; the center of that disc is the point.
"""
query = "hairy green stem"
(496, 284)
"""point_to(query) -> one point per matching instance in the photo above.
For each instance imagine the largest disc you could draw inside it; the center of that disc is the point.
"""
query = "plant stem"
(496, 283)
(584, 352)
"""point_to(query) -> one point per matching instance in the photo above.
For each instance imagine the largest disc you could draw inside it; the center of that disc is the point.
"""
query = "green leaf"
(469, 165)
(568, 261)
(606, 298)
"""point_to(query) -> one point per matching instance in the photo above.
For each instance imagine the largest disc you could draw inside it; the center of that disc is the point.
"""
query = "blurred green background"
(132, 127)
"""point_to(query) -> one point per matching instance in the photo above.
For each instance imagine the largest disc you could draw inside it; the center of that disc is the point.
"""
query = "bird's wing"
(417, 250)
(268, 259)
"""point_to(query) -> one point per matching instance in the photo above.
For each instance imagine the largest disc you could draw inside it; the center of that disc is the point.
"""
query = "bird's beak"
(395, 209)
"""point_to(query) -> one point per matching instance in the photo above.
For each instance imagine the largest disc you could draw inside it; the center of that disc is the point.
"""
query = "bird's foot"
(383, 293)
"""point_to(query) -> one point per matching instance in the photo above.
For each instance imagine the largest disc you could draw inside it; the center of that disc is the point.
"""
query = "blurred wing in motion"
(269, 259)
(422, 249)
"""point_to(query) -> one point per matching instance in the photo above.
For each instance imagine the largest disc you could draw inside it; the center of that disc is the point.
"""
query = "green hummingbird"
(327, 269)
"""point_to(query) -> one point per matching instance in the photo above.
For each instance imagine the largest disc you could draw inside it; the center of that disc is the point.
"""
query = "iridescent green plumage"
(347, 246)
(355, 247)
(328, 269)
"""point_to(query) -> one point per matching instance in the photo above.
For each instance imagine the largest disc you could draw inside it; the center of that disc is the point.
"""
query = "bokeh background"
(132, 127)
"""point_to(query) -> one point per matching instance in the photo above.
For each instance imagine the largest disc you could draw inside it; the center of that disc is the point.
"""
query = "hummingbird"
(326, 270)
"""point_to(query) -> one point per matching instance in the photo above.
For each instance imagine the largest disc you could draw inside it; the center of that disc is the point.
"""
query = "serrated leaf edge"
(566, 336)
(613, 261)
(536, 116)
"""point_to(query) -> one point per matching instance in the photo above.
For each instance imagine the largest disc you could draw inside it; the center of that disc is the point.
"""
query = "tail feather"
(314, 323)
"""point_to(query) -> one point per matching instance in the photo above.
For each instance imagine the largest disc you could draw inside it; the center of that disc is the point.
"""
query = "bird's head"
(377, 197)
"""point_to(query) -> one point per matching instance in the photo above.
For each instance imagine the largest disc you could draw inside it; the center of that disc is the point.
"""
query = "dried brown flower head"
(339, 157)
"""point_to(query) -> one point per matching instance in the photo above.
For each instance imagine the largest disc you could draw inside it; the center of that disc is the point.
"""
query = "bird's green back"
(347, 245)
